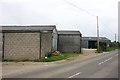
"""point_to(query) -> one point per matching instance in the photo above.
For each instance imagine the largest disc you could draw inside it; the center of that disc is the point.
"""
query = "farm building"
(69, 41)
(28, 42)
(91, 42)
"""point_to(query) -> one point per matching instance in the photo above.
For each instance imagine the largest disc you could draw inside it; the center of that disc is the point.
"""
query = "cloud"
(64, 15)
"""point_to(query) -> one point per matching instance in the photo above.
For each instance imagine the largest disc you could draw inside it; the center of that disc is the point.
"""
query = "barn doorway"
(92, 44)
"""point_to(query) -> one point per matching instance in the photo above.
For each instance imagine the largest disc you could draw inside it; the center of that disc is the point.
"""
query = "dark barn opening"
(92, 44)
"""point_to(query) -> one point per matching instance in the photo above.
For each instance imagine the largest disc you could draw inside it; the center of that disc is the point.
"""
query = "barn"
(91, 42)
(28, 42)
(69, 41)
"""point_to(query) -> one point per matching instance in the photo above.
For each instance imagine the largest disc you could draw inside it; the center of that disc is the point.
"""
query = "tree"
(114, 44)
(103, 46)
(118, 43)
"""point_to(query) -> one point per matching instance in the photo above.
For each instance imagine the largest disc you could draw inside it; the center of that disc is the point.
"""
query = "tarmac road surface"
(100, 66)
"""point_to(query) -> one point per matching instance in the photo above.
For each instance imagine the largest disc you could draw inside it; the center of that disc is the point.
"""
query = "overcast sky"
(66, 16)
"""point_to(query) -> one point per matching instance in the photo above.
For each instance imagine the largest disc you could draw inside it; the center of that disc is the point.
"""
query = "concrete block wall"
(21, 45)
(46, 43)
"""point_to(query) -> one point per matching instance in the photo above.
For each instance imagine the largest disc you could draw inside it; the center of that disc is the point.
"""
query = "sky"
(65, 14)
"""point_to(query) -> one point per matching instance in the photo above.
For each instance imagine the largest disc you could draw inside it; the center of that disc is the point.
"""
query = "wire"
(106, 26)
(79, 8)
(108, 31)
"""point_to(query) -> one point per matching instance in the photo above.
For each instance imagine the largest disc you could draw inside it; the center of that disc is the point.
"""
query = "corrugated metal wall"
(84, 43)
(69, 43)
(54, 40)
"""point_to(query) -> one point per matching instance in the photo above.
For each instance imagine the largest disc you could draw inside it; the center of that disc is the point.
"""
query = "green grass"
(111, 49)
(49, 59)
(7, 60)
(11, 60)
(56, 58)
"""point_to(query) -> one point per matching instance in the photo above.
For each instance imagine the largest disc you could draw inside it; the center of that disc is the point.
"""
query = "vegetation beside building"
(112, 46)
(48, 58)
(56, 58)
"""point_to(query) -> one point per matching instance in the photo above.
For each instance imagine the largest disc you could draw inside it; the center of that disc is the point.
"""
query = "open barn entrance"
(92, 44)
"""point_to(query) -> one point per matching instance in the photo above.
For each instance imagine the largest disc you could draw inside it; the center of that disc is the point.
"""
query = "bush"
(118, 44)
(103, 46)
(114, 44)
(49, 54)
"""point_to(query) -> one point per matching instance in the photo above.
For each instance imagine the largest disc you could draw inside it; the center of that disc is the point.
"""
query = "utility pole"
(115, 37)
(97, 35)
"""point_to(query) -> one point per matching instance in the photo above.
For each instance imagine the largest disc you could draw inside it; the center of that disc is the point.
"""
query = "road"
(101, 66)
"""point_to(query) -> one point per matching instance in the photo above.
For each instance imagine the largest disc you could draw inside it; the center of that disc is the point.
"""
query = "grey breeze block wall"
(69, 43)
(46, 43)
(21, 45)
(28, 42)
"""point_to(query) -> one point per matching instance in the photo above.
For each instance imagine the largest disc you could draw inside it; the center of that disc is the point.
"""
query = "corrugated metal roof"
(41, 27)
(69, 32)
(94, 38)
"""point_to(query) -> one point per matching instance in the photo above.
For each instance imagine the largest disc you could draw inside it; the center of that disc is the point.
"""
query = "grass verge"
(111, 49)
(49, 59)
(56, 58)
